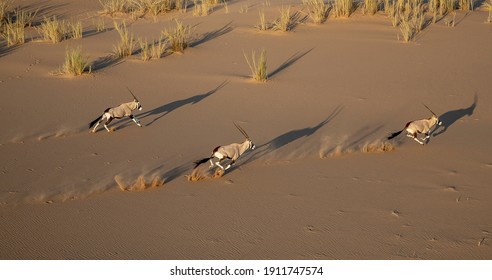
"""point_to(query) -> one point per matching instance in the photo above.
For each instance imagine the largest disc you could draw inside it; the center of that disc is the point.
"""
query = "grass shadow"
(5, 49)
(212, 35)
(450, 117)
(104, 62)
(293, 59)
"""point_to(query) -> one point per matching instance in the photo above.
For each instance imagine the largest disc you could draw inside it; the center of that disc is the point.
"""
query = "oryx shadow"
(449, 118)
(356, 140)
(212, 35)
(173, 173)
(293, 59)
(163, 110)
(291, 136)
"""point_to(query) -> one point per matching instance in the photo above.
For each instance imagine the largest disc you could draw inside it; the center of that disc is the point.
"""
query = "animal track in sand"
(311, 229)
(450, 189)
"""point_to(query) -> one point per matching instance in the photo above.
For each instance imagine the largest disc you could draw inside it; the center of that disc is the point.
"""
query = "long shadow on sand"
(104, 62)
(4, 49)
(291, 136)
(212, 35)
(449, 118)
(163, 110)
(293, 59)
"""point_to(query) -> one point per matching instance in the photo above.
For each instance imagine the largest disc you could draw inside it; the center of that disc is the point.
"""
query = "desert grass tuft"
(145, 52)
(262, 24)
(53, 30)
(4, 9)
(99, 24)
(318, 10)
(127, 42)
(178, 37)
(284, 22)
(370, 7)
(202, 8)
(111, 7)
(465, 5)
(343, 8)
(13, 33)
(258, 66)
(75, 63)
(76, 31)
(488, 6)
(158, 48)
(156, 7)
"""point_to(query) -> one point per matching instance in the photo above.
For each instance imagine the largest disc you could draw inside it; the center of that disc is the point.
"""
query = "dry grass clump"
(258, 66)
(13, 24)
(285, 21)
(138, 8)
(54, 30)
(465, 5)
(112, 7)
(202, 7)
(343, 8)
(262, 24)
(370, 7)
(408, 15)
(13, 33)
(75, 62)
(127, 42)
(152, 50)
(488, 7)
(178, 37)
(4, 8)
(318, 10)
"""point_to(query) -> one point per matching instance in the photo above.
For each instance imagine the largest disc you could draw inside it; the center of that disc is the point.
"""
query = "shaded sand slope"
(318, 185)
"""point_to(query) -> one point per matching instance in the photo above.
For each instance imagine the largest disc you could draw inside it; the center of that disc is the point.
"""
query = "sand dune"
(323, 182)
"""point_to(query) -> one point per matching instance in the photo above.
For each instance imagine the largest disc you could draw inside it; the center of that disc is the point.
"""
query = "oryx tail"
(198, 162)
(394, 134)
(92, 123)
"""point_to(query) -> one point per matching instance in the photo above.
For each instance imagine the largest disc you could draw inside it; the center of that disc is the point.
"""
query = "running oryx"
(231, 151)
(419, 126)
(123, 110)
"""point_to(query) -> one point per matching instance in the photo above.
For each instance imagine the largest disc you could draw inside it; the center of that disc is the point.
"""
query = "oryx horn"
(429, 109)
(242, 130)
(132, 93)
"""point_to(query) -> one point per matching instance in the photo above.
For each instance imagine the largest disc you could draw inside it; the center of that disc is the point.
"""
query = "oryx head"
(138, 106)
(251, 144)
(434, 116)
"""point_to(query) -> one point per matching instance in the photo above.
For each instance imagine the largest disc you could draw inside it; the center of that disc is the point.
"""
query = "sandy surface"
(322, 183)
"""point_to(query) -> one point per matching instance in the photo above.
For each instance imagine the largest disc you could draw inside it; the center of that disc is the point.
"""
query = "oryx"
(123, 110)
(423, 126)
(231, 151)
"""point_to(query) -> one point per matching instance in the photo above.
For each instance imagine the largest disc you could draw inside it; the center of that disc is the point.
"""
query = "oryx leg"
(99, 122)
(230, 164)
(220, 158)
(427, 136)
(135, 120)
(110, 119)
(414, 137)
